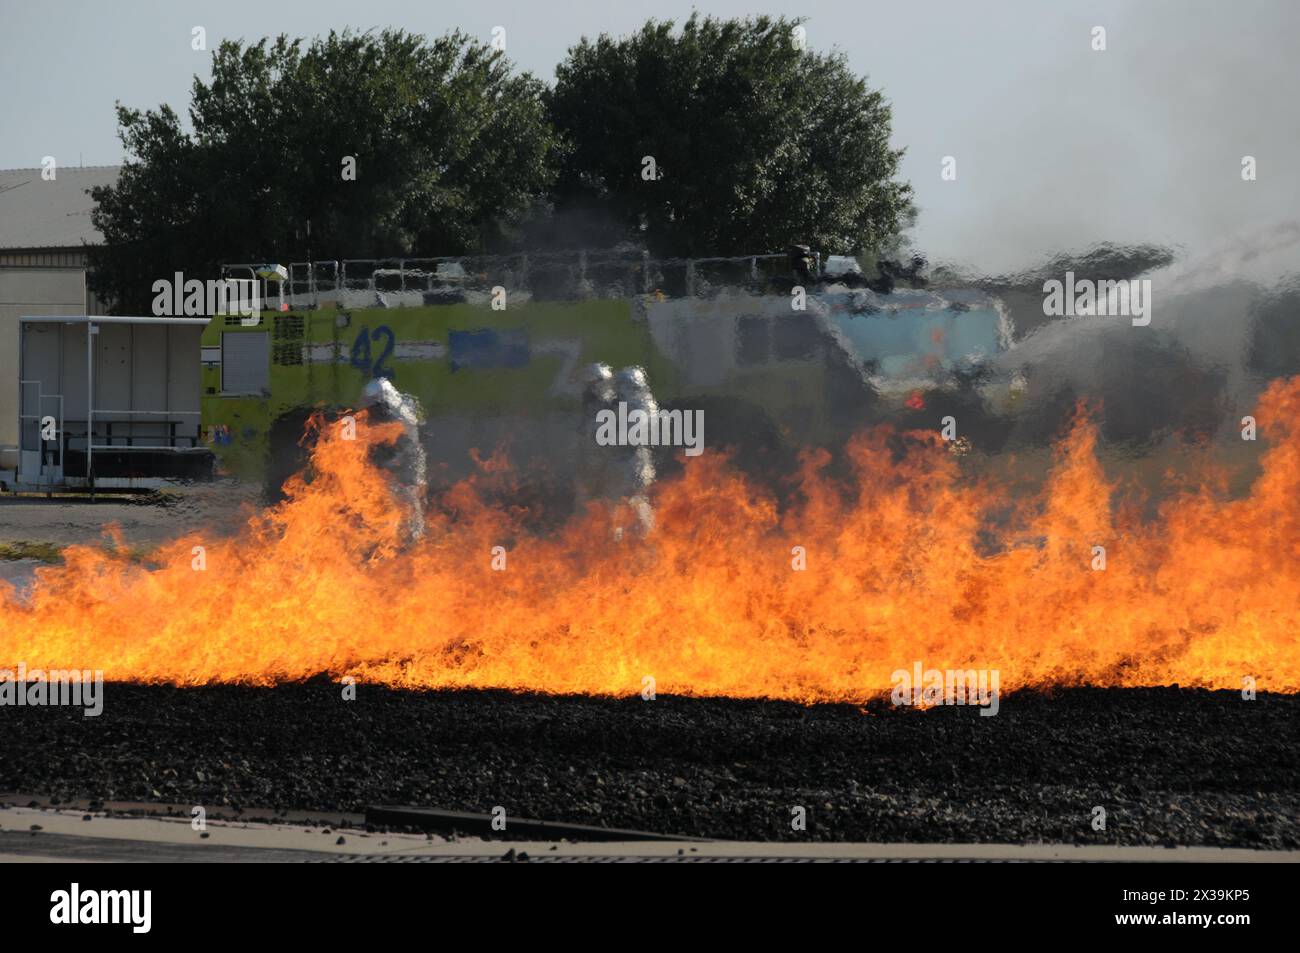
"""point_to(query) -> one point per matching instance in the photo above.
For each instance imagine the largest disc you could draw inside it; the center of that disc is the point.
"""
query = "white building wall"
(28, 291)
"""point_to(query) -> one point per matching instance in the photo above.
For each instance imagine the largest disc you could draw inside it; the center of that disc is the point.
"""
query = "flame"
(908, 561)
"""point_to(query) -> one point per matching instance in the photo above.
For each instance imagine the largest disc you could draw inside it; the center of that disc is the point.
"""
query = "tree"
(449, 145)
(757, 143)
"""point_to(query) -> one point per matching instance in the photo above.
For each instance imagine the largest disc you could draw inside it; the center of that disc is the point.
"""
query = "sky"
(1057, 146)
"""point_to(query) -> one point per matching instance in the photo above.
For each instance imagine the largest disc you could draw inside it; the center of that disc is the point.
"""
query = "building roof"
(36, 213)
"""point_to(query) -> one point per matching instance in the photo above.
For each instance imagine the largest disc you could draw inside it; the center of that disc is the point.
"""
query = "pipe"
(100, 319)
(91, 331)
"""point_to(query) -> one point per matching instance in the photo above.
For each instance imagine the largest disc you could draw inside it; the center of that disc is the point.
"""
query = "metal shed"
(108, 401)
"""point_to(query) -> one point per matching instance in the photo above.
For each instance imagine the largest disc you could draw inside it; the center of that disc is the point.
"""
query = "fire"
(910, 561)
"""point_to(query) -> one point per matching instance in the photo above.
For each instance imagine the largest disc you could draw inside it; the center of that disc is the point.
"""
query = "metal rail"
(465, 822)
(311, 282)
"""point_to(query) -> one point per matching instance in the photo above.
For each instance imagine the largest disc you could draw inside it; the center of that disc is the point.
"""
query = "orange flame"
(903, 564)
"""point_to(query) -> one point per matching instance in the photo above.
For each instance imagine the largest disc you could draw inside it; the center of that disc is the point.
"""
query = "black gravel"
(1169, 766)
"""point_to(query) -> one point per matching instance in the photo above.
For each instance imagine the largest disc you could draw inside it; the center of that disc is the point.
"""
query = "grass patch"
(52, 553)
(44, 552)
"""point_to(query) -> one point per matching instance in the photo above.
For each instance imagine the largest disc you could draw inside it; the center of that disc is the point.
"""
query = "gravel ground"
(1170, 766)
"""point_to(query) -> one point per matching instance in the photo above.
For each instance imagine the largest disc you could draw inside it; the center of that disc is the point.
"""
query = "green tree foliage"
(450, 145)
(758, 143)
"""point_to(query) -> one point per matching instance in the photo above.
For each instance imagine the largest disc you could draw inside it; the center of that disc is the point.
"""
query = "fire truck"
(494, 350)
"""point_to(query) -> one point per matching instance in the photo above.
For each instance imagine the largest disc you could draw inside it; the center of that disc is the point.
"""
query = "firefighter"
(621, 473)
(405, 458)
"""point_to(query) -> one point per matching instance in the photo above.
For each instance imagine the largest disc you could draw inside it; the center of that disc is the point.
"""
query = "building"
(44, 230)
(58, 348)
(46, 223)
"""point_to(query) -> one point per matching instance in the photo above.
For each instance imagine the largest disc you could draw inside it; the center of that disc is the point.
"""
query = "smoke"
(1066, 147)
(1226, 321)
